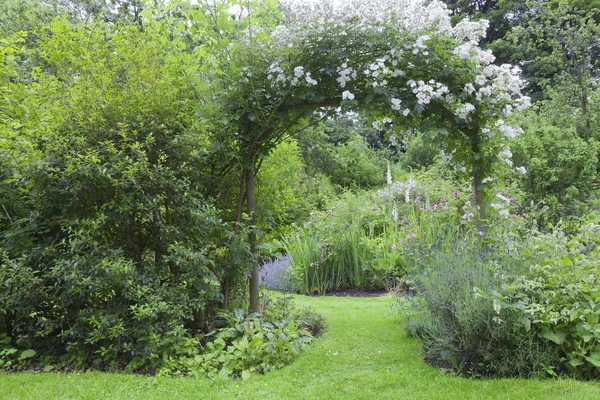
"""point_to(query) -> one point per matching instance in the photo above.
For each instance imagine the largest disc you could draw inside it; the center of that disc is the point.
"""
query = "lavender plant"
(276, 274)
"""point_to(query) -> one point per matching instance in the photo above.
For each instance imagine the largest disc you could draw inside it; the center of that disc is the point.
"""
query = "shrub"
(561, 169)
(252, 343)
(337, 149)
(113, 254)
(419, 154)
(514, 302)
(276, 274)
(462, 328)
(558, 299)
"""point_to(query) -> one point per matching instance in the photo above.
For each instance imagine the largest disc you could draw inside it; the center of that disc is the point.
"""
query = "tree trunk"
(251, 203)
(479, 195)
(478, 189)
(226, 281)
(225, 288)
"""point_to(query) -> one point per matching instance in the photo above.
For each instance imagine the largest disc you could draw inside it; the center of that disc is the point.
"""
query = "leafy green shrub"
(462, 328)
(337, 149)
(559, 300)
(111, 255)
(285, 191)
(514, 302)
(253, 343)
(98, 308)
(419, 154)
(561, 169)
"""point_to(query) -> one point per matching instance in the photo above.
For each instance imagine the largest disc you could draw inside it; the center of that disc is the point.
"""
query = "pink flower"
(393, 246)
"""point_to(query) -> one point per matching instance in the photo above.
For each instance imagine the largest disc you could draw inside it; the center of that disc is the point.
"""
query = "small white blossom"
(309, 80)
(396, 104)
(298, 72)
(503, 198)
(346, 94)
(464, 110)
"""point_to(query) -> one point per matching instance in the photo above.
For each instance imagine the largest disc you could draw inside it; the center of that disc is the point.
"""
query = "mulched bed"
(358, 292)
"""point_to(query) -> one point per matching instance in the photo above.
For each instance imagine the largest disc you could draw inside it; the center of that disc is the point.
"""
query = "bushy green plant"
(337, 149)
(463, 329)
(510, 302)
(328, 263)
(287, 193)
(419, 154)
(111, 254)
(252, 343)
(560, 169)
(558, 299)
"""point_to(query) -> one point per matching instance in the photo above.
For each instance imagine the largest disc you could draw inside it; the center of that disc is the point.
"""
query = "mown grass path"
(364, 354)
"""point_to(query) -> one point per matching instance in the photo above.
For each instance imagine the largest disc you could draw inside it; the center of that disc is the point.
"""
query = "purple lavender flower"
(276, 274)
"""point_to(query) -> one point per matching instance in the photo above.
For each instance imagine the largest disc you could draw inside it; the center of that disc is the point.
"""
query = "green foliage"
(561, 169)
(459, 326)
(333, 262)
(287, 193)
(371, 239)
(252, 343)
(112, 255)
(558, 299)
(555, 42)
(514, 302)
(338, 149)
(419, 154)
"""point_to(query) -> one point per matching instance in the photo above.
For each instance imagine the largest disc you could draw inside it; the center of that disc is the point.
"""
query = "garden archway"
(400, 61)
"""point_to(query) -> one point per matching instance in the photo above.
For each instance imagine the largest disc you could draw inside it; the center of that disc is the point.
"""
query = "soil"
(357, 292)
(438, 363)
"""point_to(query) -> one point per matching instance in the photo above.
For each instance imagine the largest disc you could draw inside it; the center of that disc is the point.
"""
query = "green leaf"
(48, 368)
(556, 337)
(594, 358)
(576, 362)
(526, 323)
(245, 374)
(566, 262)
(27, 354)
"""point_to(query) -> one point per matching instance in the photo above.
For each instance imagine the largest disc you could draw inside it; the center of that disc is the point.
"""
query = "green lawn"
(364, 354)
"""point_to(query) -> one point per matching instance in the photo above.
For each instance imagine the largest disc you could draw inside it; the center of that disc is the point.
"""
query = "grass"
(363, 354)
